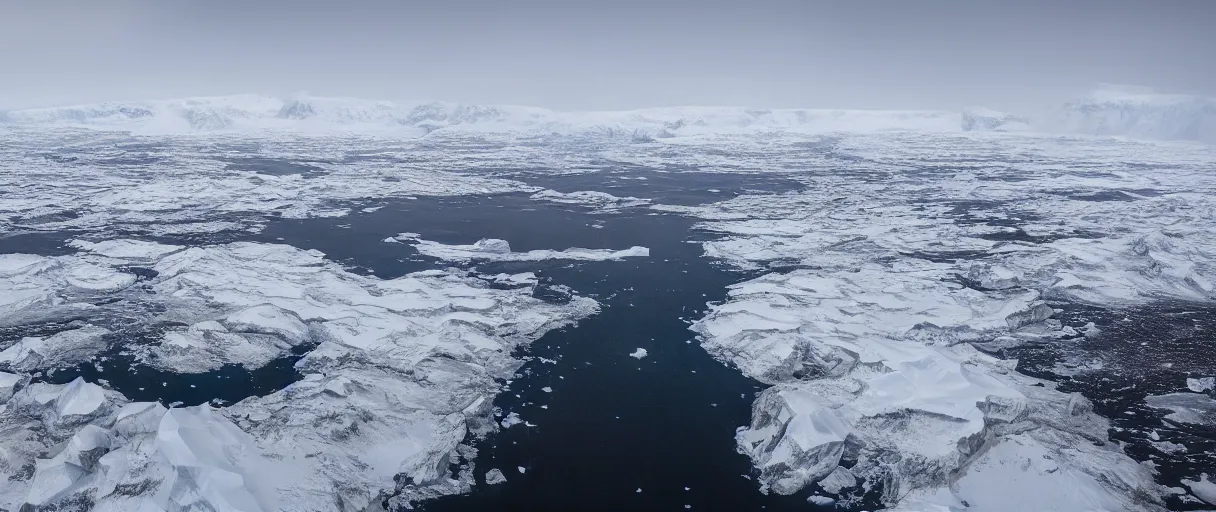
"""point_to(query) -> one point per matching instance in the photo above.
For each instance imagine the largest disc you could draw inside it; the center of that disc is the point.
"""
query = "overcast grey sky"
(606, 54)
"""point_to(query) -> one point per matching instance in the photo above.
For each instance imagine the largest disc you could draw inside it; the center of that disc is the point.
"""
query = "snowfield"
(916, 241)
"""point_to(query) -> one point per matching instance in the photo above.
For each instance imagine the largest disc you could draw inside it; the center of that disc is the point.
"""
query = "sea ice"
(1201, 384)
(638, 354)
(599, 200)
(399, 373)
(1203, 488)
(60, 349)
(895, 271)
(495, 477)
(490, 249)
(1194, 408)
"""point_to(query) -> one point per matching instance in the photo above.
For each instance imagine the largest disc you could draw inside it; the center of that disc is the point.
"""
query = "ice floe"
(886, 268)
(60, 349)
(638, 354)
(590, 198)
(1201, 384)
(493, 249)
(398, 374)
(495, 477)
(1203, 488)
(1196, 408)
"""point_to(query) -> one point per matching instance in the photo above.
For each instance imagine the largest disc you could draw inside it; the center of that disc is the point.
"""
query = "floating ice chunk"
(1169, 447)
(639, 353)
(208, 345)
(136, 250)
(818, 500)
(521, 469)
(524, 278)
(1203, 488)
(511, 420)
(495, 477)
(547, 389)
(55, 476)
(79, 398)
(1201, 384)
(1194, 408)
(590, 198)
(1019, 470)
(61, 349)
(399, 377)
(268, 319)
(499, 250)
(993, 277)
(8, 385)
(96, 278)
(838, 480)
(794, 438)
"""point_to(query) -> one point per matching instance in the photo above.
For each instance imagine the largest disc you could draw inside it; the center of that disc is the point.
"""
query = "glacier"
(1141, 113)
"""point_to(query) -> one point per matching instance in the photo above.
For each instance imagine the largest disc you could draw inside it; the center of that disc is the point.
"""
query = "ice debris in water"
(492, 249)
(511, 420)
(495, 477)
(60, 349)
(381, 396)
(638, 354)
(821, 501)
(1203, 488)
(1193, 408)
(591, 198)
(881, 277)
(1201, 385)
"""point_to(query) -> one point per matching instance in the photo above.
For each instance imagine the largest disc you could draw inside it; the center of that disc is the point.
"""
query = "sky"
(606, 55)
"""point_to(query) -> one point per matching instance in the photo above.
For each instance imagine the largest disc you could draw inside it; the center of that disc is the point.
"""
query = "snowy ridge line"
(400, 373)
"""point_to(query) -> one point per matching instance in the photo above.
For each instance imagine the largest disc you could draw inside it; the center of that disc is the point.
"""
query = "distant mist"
(935, 54)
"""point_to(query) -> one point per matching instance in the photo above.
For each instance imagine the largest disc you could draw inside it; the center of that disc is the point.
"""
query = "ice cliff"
(1142, 113)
